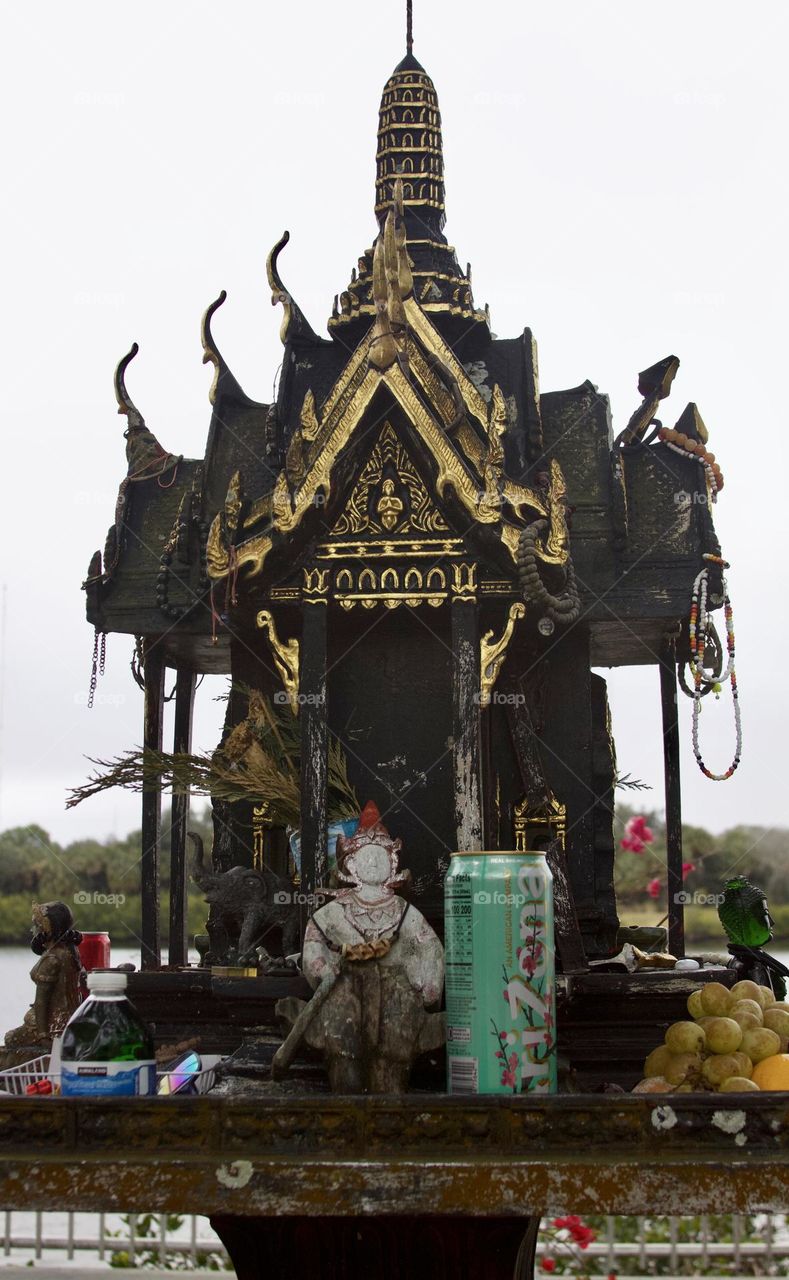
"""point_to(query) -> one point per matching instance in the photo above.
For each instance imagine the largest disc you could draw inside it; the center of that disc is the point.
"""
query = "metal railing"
(158, 1239)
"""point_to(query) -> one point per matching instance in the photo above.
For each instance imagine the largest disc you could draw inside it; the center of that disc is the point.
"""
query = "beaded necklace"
(679, 443)
(698, 631)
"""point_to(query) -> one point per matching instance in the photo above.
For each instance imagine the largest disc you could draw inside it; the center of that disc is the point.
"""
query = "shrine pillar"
(467, 755)
(153, 716)
(313, 715)
(182, 743)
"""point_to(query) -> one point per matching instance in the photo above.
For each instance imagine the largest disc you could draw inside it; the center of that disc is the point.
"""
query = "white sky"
(616, 173)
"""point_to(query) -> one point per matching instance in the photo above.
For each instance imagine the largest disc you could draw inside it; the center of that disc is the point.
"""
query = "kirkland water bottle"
(107, 1048)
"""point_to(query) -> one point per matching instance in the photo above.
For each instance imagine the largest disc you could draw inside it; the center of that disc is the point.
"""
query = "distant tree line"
(100, 879)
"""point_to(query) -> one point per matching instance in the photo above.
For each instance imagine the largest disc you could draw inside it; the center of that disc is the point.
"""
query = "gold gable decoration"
(389, 495)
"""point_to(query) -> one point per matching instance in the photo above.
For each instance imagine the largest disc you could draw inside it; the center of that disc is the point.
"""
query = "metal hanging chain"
(98, 663)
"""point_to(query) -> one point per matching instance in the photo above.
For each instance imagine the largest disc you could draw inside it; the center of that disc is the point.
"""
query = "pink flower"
(499, 1054)
(654, 887)
(528, 966)
(502, 1035)
(637, 834)
(508, 1078)
(687, 867)
(512, 1061)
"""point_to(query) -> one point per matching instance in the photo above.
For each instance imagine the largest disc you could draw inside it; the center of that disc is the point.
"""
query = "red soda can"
(94, 952)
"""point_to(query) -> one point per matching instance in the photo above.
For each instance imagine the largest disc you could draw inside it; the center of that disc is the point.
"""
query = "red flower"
(512, 1061)
(528, 966)
(579, 1232)
(687, 867)
(637, 834)
(508, 1078)
(548, 1264)
(502, 1035)
(654, 887)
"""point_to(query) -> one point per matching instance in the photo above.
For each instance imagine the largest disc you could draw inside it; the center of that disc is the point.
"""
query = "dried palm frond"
(259, 762)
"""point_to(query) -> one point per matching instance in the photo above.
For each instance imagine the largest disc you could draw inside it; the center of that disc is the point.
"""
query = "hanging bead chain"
(98, 664)
(163, 579)
(698, 633)
(679, 443)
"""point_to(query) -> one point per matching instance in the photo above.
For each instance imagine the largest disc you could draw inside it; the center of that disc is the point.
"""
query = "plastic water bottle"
(107, 1048)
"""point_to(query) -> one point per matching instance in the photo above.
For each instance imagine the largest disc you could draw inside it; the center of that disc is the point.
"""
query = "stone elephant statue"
(248, 909)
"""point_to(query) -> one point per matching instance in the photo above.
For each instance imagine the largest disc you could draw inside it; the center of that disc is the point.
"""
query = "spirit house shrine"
(410, 564)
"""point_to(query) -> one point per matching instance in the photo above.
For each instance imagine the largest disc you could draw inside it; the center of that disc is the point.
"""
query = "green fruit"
(777, 1020)
(738, 1084)
(657, 1062)
(716, 999)
(760, 1043)
(682, 1067)
(745, 1019)
(745, 1066)
(724, 1035)
(719, 1067)
(695, 1008)
(747, 990)
(685, 1037)
(746, 1006)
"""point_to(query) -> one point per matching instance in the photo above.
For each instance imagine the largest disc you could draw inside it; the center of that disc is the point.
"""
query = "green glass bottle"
(107, 1048)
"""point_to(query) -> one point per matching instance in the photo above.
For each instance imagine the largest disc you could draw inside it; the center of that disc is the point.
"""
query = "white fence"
(188, 1243)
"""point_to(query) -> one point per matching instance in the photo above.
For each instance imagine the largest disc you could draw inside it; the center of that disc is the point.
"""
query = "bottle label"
(108, 1079)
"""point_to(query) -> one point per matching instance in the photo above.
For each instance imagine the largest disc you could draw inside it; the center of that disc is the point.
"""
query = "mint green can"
(500, 974)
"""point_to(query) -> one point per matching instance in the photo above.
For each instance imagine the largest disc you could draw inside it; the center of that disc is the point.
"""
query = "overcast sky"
(616, 173)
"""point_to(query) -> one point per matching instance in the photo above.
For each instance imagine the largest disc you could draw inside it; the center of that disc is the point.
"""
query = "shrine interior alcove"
(389, 696)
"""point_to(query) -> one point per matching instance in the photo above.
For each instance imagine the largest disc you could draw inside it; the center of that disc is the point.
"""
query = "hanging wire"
(409, 30)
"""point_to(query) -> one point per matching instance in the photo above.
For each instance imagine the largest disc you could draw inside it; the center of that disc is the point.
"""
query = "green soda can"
(500, 981)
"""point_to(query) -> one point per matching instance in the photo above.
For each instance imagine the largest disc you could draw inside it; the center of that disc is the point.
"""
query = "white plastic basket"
(14, 1081)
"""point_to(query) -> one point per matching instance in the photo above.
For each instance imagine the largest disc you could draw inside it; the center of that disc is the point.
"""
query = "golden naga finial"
(294, 322)
(126, 406)
(210, 353)
(392, 284)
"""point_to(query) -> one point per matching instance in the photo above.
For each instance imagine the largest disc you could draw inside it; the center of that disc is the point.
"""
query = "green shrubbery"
(760, 853)
(100, 881)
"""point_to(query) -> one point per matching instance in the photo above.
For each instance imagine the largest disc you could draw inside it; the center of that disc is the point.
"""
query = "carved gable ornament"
(389, 496)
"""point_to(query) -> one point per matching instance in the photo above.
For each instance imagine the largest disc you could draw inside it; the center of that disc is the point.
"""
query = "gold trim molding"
(493, 652)
(286, 658)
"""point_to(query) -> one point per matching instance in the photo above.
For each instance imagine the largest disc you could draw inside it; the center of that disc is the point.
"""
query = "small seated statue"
(56, 976)
(378, 970)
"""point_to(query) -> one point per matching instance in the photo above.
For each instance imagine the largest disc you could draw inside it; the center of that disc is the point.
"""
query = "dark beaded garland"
(178, 611)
